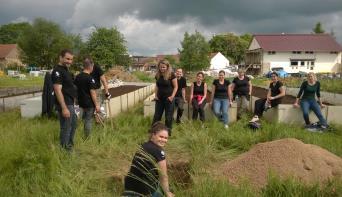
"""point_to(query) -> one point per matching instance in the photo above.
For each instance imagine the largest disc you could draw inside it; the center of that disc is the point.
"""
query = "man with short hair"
(65, 91)
(98, 76)
(180, 95)
(86, 91)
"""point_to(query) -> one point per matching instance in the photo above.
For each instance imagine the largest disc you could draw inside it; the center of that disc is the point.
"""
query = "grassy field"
(328, 85)
(32, 164)
(8, 82)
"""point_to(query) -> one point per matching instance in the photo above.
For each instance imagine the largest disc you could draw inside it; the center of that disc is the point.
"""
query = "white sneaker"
(226, 126)
(254, 119)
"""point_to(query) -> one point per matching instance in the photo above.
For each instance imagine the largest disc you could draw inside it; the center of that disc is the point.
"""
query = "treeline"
(42, 40)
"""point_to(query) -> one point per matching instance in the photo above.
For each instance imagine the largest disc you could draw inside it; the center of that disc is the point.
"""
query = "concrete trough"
(31, 107)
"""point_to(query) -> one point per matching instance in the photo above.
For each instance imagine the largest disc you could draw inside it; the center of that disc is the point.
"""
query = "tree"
(231, 46)
(42, 42)
(10, 33)
(194, 52)
(171, 60)
(318, 29)
(107, 47)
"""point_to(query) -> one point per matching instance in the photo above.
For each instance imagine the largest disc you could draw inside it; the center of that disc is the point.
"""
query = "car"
(281, 73)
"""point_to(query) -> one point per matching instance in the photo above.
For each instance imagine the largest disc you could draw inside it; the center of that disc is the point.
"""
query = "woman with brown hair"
(198, 96)
(148, 173)
(165, 91)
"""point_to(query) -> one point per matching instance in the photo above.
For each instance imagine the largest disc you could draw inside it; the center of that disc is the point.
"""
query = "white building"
(219, 62)
(319, 53)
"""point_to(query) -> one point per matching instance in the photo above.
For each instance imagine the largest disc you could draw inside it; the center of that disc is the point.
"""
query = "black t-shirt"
(85, 83)
(181, 84)
(96, 74)
(165, 87)
(275, 90)
(241, 86)
(143, 176)
(61, 75)
(198, 90)
(221, 90)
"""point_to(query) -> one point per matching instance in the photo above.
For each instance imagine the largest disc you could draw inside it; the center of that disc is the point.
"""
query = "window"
(271, 52)
(312, 63)
(333, 52)
(294, 63)
(302, 63)
(296, 52)
(308, 52)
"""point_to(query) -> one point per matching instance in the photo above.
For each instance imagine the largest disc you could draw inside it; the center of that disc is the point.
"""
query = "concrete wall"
(31, 107)
(7, 103)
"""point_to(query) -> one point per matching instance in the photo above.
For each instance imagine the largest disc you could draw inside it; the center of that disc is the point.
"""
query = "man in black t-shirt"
(86, 90)
(65, 92)
(98, 76)
(180, 95)
(275, 93)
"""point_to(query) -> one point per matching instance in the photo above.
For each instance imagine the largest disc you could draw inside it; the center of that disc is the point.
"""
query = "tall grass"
(6, 82)
(32, 164)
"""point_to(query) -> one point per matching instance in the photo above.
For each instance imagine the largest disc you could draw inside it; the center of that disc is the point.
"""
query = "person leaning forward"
(65, 92)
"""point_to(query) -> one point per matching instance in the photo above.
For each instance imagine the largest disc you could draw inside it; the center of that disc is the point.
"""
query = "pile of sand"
(285, 158)
(119, 73)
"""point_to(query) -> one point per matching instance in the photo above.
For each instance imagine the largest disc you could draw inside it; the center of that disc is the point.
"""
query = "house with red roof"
(318, 53)
(9, 55)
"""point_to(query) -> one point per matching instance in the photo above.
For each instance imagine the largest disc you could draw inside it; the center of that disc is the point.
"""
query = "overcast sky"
(153, 27)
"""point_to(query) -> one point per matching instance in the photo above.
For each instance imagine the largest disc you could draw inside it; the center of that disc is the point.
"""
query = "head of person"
(221, 75)
(164, 69)
(241, 72)
(274, 76)
(179, 73)
(88, 64)
(66, 57)
(159, 134)
(311, 77)
(199, 76)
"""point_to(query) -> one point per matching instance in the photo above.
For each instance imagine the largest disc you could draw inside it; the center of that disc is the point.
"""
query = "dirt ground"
(118, 91)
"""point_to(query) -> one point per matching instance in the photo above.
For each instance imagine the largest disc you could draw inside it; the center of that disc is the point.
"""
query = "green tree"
(194, 52)
(318, 29)
(107, 47)
(231, 46)
(10, 33)
(171, 60)
(42, 43)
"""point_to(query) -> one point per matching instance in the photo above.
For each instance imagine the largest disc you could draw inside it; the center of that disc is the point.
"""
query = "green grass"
(32, 164)
(8, 82)
(327, 85)
(143, 76)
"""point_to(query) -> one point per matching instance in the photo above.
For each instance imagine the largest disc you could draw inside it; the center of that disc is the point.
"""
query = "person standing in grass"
(276, 92)
(65, 91)
(198, 95)
(180, 95)
(165, 91)
(221, 98)
(148, 172)
(308, 92)
(242, 90)
(86, 91)
(99, 77)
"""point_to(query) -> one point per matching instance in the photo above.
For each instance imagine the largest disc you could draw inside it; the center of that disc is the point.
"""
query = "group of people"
(148, 171)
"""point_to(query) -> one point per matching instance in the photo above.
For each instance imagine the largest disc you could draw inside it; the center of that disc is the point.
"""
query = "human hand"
(97, 109)
(66, 113)
(108, 95)
(322, 105)
(169, 194)
(296, 105)
(170, 98)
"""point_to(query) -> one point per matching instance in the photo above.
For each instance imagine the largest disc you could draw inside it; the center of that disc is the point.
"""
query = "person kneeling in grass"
(275, 93)
(148, 172)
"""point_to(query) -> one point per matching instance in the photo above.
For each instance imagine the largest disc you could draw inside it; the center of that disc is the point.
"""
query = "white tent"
(219, 62)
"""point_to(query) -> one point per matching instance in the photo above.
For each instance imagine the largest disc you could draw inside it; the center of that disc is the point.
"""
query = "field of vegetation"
(10, 82)
(32, 163)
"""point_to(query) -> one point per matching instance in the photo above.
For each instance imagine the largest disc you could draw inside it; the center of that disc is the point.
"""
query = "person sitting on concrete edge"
(242, 90)
(86, 91)
(276, 92)
(148, 172)
(307, 92)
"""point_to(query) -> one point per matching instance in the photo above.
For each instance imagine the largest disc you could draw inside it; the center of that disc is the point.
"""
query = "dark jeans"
(312, 104)
(179, 104)
(161, 106)
(259, 106)
(67, 127)
(87, 116)
(198, 109)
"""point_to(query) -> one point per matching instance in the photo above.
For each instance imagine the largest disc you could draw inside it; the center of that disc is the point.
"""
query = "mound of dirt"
(285, 158)
(120, 73)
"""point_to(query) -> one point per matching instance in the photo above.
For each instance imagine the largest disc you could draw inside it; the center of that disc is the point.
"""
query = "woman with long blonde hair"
(165, 91)
(308, 92)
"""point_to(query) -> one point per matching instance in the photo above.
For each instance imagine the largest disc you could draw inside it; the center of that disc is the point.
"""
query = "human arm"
(93, 98)
(105, 86)
(250, 87)
(164, 180)
(60, 98)
(183, 95)
(318, 93)
(301, 90)
(204, 94)
(191, 92)
(156, 93)
(212, 94)
(281, 94)
(174, 91)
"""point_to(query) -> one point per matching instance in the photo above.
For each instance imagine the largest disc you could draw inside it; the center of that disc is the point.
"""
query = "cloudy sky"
(157, 26)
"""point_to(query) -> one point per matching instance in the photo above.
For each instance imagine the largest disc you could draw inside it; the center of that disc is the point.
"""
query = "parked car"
(281, 73)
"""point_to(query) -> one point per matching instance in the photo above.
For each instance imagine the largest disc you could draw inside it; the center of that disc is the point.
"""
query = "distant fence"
(11, 97)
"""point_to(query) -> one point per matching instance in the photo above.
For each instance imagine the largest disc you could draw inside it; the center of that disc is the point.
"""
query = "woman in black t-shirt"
(198, 96)
(242, 90)
(221, 98)
(275, 93)
(165, 91)
(148, 173)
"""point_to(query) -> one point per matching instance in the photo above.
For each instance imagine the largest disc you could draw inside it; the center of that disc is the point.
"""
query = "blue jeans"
(87, 116)
(67, 128)
(220, 107)
(312, 104)
(161, 106)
